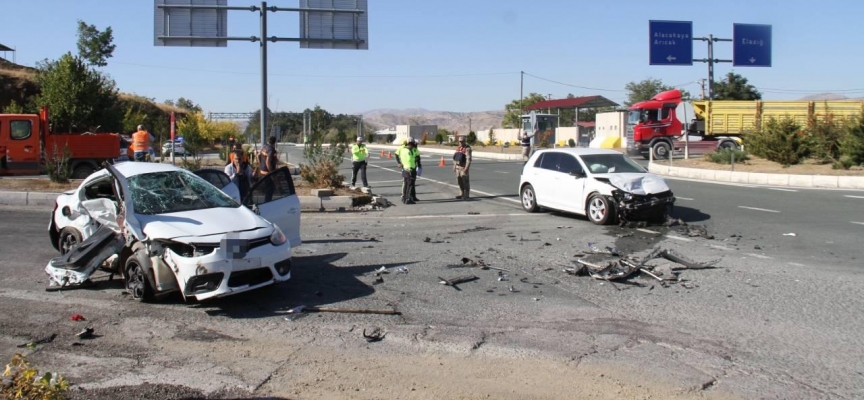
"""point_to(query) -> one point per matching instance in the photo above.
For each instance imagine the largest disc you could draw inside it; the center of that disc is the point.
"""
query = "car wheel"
(82, 171)
(662, 150)
(137, 282)
(728, 145)
(69, 239)
(599, 210)
(529, 199)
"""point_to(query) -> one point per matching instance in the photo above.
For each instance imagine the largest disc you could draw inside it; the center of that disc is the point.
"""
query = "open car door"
(220, 180)
(277, 201)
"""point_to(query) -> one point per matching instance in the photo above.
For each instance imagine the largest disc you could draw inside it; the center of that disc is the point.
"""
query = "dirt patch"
(36, 185)
(756, 164)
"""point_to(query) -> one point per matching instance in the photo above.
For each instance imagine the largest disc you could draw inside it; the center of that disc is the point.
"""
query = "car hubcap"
(136, 282)
(528, 198)
(597, 209)
(661, 151)
(69, 243)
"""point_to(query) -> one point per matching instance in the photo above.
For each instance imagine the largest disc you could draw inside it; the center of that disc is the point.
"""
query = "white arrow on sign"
(752, 60)
(670, 58)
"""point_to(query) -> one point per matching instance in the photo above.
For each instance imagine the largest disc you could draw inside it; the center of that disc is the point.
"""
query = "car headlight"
(628, 196)
(277, 237)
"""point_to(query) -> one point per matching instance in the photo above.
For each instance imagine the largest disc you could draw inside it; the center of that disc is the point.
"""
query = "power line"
(575, 86)
(315, 76)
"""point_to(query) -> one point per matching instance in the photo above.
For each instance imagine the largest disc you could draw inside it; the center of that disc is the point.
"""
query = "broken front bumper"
(634, 207)
(215, 275)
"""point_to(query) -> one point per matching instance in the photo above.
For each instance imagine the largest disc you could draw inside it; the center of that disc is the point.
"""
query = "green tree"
(187, 104)
(14, 108)
(646, 89)
(79, 98)
(95, 46)
(735, 87)
(514, 110)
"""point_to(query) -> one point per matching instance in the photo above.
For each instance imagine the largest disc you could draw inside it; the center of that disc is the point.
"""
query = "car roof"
(581, 151)
(132, 168)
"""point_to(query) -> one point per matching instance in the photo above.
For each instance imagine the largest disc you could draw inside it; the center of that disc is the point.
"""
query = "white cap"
(411, 140)
(359, 138)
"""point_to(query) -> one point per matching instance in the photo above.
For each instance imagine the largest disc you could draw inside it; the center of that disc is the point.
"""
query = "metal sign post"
(324, 24)
(172, 139)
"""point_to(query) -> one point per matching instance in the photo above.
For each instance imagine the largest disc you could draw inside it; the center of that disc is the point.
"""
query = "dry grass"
(36, 185)
(756, 164)
(161, 106)
(17, 73)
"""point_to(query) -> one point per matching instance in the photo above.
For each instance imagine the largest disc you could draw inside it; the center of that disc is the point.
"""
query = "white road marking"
(796, 264)
(783, 190)
(501, 172)
(759, 256)
(759, 209)
(854, 197)
(647, 231)
(714, 246)
(679, 238)
(683, 198)
(858, 223)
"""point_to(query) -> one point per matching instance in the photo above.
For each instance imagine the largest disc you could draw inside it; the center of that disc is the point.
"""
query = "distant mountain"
(453, 121)
(825, 96)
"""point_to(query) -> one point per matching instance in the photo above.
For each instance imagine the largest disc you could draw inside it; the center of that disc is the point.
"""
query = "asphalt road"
(778, 322)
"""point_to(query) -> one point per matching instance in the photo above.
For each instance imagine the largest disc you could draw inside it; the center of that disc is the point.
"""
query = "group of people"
(239, 170)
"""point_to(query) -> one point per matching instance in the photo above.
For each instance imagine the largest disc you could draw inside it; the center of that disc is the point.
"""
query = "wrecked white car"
(603, 185)
(165, 229)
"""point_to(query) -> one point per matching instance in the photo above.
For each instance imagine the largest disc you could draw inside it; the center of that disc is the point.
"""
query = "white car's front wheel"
(69, 239)
(600, 211)
(529, 199)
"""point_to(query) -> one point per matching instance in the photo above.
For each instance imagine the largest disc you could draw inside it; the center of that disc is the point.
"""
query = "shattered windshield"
(174, 191)
(611, 164)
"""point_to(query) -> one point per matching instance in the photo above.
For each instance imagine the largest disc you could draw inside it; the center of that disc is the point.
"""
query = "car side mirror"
(577, 173)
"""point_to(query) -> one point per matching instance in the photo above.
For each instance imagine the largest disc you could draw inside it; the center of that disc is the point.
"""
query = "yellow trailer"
(736, 117)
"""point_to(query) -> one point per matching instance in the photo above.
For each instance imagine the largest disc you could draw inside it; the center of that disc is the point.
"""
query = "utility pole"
(701, 82)
(469, 124)
(711, 61)
(521, 94)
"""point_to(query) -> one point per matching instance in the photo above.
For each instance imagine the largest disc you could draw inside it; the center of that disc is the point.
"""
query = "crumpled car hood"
(199, 223)
(636, 183)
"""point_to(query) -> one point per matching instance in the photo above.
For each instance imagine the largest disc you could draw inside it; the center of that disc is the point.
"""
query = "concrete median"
(760, 178)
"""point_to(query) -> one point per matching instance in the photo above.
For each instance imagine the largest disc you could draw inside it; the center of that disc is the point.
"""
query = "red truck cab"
(26, 144)
(654, 124)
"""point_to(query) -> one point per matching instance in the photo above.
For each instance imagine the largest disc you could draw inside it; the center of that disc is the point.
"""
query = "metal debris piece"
(513, 289)
(790, 234)
(307, 309)
(674, 257)
(44, 340)
(596, 250)
(458, 280)
(378, 280)
(472, 230)
(77, 317)
(87, 333)
(374, 336)
(382, 270)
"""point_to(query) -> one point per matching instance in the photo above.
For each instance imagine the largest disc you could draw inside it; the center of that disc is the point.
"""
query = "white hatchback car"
(165, 229)
(603, 185)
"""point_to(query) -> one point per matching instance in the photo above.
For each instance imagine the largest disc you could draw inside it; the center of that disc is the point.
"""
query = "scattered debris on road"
(87, 333)
(622, 268)
(77, 317)
(472, 230)
(33, 343)
(453, 282)
(375, 336)
(790, 234)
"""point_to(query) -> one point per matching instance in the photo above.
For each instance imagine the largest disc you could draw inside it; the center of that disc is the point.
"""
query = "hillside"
(829, 96)
(453, 121)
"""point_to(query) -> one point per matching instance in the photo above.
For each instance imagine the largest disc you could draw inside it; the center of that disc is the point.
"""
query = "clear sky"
(453, 55)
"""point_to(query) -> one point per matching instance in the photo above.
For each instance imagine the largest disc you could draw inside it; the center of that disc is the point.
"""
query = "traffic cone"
(382, 153)
(441, 163)
(389, 154)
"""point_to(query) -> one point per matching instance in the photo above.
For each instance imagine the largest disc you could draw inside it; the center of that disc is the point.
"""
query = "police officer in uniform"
(409, 160)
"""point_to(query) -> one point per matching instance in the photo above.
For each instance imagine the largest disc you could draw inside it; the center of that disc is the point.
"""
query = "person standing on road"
(141, 143)
(268, 159)
(359, 153)
(239, 171)
(409, 160)
(461, 165)
(526, 146)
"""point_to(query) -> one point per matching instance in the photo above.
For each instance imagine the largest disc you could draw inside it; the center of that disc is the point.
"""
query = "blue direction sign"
(751, 45)
(670, 42)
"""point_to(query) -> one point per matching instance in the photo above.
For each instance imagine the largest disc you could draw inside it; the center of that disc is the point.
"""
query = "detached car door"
(277, 201)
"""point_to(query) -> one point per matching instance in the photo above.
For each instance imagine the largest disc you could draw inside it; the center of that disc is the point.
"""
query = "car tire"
(661, 150)
(83, 171)
(529, 199)
(135, 272)
(69, 239)
(599, 210)
(728, 145)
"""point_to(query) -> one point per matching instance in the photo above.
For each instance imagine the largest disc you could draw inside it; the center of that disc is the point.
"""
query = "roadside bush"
(852, 144)
(823, 139)
(57, 165)
(492, 139)
(724, 156)
(780, 141)
(323, 168)
(571, 142)
(439, 138)
(471, 138)
(543, 139)
(21, 381)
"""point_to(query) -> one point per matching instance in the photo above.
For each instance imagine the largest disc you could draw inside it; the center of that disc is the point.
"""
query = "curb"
(760, 178)
(475, 154)
(46, 199)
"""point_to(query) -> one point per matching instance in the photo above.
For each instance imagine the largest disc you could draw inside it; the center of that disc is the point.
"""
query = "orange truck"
(27, 145)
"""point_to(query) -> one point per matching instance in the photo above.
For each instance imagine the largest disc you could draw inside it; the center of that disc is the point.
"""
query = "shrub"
(57, 166)
(543, 139)
(471, 138)
(823, 139)
(724, 156)
(370, 138)
(852, 143)
(323, 168)
(780, 141)
(492, 139)
(571, 142)
(21, 381)
(439, 138)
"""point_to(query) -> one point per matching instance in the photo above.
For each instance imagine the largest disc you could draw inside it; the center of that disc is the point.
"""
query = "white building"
(611, 130)
(402, 132)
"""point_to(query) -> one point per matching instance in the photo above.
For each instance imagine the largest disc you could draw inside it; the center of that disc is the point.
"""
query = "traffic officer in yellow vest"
(409, 160)
(359, 153)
